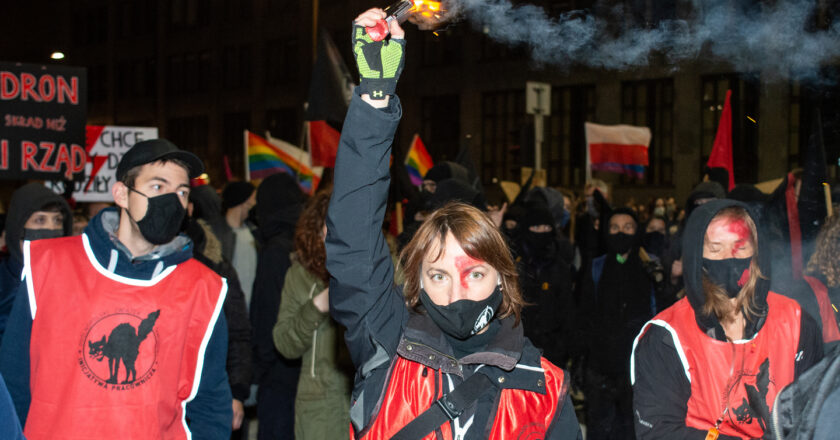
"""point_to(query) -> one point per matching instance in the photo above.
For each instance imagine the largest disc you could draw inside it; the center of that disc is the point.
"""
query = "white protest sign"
(105, 146)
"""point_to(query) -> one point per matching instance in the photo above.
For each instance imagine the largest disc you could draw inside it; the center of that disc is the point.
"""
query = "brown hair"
(309, 240)
(827, 253)
(717, 301)
(479, 238)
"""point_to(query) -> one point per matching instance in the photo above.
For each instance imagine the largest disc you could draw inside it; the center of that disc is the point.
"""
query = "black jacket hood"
(693, 236)
(25, 201)
(279, 204)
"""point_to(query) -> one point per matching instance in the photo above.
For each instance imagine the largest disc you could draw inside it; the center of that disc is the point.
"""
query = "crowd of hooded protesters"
(184, 311)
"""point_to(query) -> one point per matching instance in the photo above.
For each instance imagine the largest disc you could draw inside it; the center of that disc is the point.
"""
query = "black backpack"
(798, 405)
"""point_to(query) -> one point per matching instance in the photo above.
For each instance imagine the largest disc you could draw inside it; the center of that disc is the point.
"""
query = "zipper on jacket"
(314, 335)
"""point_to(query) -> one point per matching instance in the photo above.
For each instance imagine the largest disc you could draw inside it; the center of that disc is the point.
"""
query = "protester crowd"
(196, 311)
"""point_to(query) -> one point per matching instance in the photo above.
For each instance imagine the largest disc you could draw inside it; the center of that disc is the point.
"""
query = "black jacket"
(25, 201)
(546, 283)
(363, 297)
(279, 203)
(661, 390)
(208, 251)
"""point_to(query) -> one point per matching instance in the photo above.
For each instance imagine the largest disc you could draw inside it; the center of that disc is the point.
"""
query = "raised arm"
(363, 297)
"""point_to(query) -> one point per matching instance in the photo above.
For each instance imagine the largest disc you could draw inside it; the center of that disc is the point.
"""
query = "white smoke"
(778, 39)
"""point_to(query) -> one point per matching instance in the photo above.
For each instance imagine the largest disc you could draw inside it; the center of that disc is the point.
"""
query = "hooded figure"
(279, 204)
(730, 344)
(545, 277)
(26, 200)
(617, 295)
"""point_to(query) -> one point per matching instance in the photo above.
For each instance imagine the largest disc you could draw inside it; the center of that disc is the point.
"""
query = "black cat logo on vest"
(756, 408)
(120, 350)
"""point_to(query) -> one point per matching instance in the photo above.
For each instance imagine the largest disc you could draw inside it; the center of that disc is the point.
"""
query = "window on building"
(283, 123)
(440, 127)
(282, 7)
(90, 25)
(136, 18)
(236, 67)
(744, 102)
(188, 14)
(236, 10)
(813, 116)
(650, 103)
(443, 48)
(504, 131)
(564, 147)
(282, 61)
(98, 83)
(492, 50)
(192, 134)
(233, 140)
(137, 78)
(188, 73)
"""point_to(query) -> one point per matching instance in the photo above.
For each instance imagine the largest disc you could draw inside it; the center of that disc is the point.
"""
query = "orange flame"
(427, 8)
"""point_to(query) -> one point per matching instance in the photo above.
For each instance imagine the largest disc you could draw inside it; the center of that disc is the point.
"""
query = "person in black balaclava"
(546, 281)
(713, 362)
(35, 212)
(279, 204)
(617, 294)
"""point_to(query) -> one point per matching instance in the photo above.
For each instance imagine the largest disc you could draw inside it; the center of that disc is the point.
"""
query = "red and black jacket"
(364, 299)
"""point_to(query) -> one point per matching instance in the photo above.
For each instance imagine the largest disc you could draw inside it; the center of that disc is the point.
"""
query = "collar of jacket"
(102, 235)
(509, 360)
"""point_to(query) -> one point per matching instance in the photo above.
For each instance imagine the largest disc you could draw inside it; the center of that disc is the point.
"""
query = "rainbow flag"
(267, 157)
(417, 161)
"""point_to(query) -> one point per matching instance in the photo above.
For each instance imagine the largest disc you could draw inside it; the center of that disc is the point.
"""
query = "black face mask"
(163, 220)
(463, 318)
(654, 242)
(40, 234)
(726, 273)
(538, 243)
(620, 243)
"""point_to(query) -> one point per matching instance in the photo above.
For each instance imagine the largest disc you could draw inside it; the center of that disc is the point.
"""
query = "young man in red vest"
(117, 333)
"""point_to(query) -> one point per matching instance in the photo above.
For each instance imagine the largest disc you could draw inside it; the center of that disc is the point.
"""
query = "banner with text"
(42, 121)
(105, 146)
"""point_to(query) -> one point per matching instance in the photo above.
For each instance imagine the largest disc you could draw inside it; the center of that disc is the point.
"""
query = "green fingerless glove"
(380, 63)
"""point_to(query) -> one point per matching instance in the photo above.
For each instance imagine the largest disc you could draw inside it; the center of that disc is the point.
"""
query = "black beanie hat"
(236, 193)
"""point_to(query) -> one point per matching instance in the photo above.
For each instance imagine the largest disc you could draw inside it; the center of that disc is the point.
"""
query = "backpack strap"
(447, 408)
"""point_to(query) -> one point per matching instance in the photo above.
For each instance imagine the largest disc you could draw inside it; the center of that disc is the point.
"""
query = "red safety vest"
(723, 374)
(114, 357)
(521, 414)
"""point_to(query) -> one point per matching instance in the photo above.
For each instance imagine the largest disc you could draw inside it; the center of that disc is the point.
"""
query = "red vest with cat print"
(114, 357)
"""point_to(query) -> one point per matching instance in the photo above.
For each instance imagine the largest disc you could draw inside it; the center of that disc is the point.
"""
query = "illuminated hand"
(380, 62)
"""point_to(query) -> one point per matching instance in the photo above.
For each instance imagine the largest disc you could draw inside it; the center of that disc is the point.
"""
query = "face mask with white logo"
(463, 318)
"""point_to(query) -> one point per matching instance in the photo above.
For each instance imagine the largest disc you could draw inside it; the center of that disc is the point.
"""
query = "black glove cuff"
(378, 88)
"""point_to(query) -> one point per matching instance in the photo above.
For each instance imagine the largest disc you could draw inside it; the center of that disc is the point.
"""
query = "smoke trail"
(770, 38)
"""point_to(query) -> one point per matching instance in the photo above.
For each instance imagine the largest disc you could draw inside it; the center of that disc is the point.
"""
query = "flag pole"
(247, 162)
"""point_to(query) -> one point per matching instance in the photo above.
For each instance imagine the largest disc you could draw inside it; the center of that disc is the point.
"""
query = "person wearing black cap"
(118, 333)
(237, 200)
(710, 366)
(35, 213)
(617, 297)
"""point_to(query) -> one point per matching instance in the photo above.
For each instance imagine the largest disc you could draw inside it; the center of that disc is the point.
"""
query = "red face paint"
(742, 231)
(464, 264)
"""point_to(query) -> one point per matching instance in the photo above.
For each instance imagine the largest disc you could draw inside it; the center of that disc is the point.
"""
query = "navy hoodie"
(210, 413)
